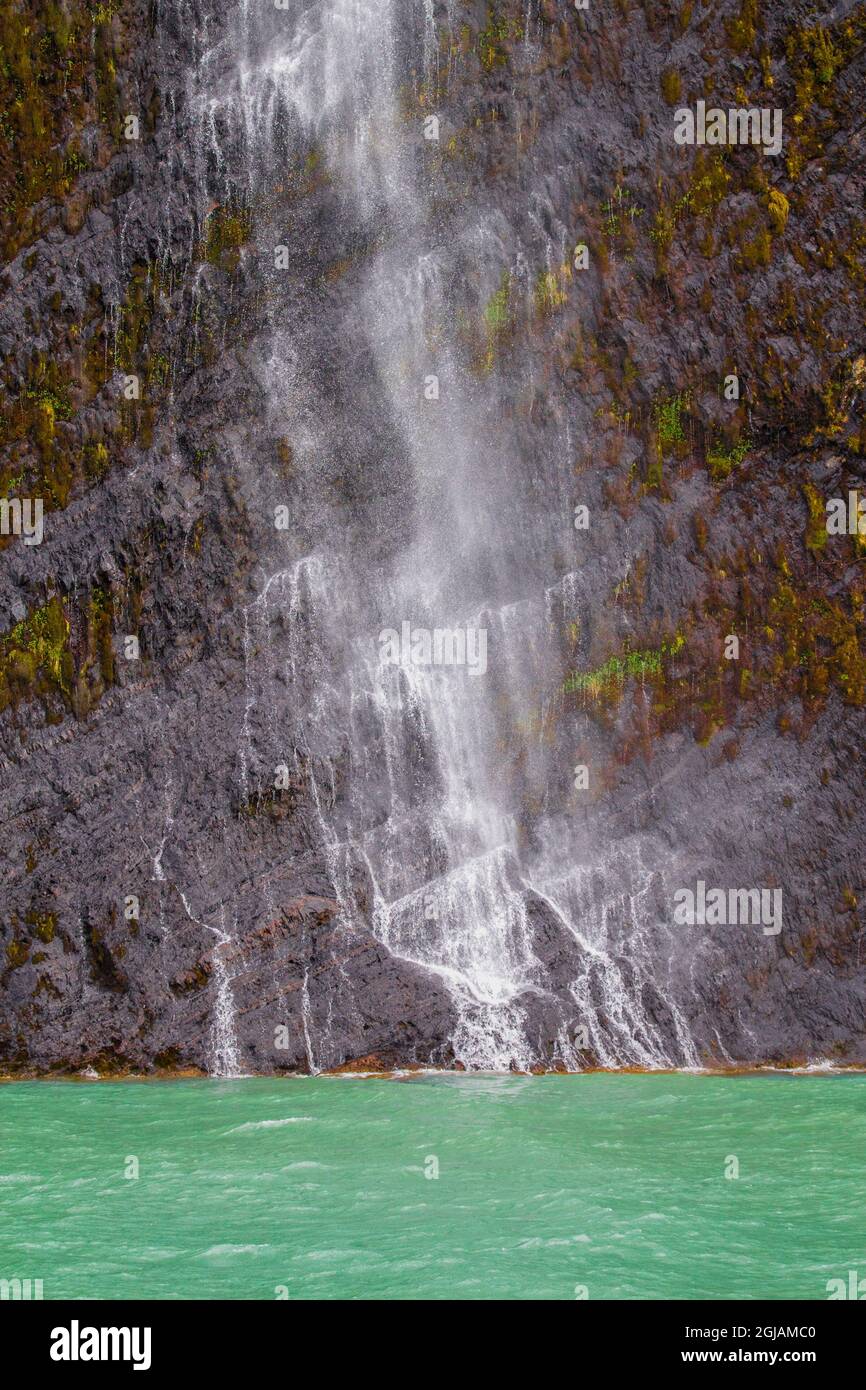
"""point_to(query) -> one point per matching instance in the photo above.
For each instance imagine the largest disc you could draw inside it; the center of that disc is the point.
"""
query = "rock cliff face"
(321, 320)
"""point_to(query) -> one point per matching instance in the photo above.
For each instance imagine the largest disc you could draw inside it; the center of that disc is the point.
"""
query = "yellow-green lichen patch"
(58, 71)
(498, 319)
(816, 528)
(35, 659)
(742, 28)
(42, 924)
(620, 215)
(817, 55)
(778, 207)
(629, 665)
(17, 952)
(723, 459)
(672, 86)
(52, 389)
(499, 31)
(550, 291)
(100, 619)
(226, 231)
(61, 653)
(669, 421)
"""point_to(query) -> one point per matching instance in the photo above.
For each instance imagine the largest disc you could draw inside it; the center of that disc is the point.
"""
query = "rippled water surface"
(318, 1188)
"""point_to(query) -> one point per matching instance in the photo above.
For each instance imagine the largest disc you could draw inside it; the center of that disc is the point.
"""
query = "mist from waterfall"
(430, 784)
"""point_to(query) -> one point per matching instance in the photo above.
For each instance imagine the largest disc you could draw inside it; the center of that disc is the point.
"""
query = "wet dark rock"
(153, 779)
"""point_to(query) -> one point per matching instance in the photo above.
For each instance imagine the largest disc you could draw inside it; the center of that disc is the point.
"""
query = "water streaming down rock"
(224, 1053)
(423, 881)
(429, 782)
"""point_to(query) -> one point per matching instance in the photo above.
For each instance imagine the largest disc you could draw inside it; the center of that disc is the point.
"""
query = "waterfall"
(443, 767)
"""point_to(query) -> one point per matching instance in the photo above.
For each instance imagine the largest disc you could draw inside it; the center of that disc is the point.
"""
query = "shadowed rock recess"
(402, 285)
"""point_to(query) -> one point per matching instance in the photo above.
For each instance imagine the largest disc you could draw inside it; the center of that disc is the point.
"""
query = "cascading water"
(424, 777)
(225, 1059)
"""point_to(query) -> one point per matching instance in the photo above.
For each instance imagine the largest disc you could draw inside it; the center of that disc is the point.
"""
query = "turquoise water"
(318, 1187)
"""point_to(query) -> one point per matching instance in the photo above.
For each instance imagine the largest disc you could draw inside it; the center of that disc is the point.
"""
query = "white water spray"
(426, 811)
